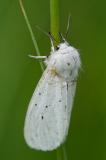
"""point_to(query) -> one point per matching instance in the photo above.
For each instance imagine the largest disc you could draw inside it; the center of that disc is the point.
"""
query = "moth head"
(62, 46)
(63, 43)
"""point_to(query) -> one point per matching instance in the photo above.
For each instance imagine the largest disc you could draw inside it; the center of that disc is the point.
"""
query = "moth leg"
(52, 45)
(51, 40)
(38, 57)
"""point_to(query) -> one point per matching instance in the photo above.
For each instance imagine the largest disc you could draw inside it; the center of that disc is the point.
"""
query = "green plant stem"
(61, 153)
(54, 19)
(54, 24)
(31, 33)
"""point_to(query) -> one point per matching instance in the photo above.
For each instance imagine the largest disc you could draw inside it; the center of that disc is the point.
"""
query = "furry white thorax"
(65, 61)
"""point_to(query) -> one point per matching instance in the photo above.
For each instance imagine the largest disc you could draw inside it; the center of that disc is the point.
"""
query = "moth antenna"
(43, 31)
(52, 37)
(47, 34)
(61, 37)
(68, 26)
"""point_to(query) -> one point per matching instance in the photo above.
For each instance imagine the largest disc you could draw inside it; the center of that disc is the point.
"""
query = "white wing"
(48, 115)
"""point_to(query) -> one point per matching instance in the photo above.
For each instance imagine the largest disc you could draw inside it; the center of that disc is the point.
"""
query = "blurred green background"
(19, 75)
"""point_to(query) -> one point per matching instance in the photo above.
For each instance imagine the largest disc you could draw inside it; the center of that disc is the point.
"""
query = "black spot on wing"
(46, 106)
(42, 117)
(59, 100)
(39, 93)
(68, 64)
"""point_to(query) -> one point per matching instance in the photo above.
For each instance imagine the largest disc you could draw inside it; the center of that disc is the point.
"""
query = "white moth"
(48, 116)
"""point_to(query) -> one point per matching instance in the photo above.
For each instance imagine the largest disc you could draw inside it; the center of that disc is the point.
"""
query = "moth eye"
(57, 47)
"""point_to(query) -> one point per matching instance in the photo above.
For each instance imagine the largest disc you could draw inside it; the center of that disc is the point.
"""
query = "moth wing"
(48, 115)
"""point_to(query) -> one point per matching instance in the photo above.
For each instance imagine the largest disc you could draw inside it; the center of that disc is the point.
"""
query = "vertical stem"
(54, 19)
(64, 152)
(31, 32)
(61, 153)
(54, 24)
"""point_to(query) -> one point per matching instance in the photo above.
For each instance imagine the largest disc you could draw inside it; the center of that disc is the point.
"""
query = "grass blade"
(31, 32)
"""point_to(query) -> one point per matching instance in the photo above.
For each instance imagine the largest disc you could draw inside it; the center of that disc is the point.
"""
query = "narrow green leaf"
(31, 32)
